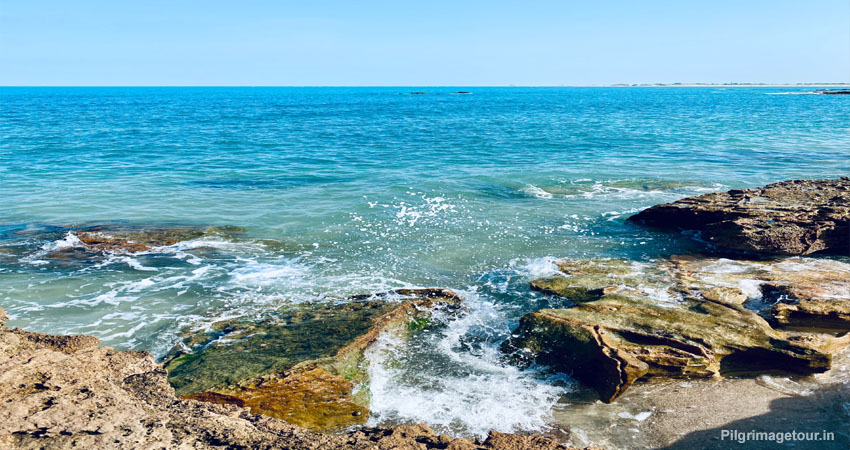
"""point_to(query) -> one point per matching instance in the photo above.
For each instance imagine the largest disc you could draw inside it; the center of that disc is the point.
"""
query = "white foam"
(408, 214)
(535, 267)
(661, 295)
(477, 394)
(264, 274)
(70, 240)
(535, 191)
(640, 417)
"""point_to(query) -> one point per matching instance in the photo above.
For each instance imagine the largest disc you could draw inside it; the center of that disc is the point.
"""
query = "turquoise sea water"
(356, 190)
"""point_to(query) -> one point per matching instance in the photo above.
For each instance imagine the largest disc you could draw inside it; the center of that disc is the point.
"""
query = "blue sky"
(456, 43)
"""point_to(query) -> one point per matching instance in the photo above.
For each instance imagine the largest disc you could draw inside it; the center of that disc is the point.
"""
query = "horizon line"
(730, 84)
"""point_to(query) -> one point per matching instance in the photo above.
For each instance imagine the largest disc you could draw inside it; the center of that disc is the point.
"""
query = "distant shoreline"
(812, 85)
(732, 85)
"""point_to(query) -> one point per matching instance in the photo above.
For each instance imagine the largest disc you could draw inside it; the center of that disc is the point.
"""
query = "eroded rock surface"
(67, 392)
(682, 317)
(801, 293)
(303, 364)
(796, 217)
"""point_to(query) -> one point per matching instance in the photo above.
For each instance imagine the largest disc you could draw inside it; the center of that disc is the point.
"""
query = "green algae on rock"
(304, 364)
(70, 392)
(674, 318)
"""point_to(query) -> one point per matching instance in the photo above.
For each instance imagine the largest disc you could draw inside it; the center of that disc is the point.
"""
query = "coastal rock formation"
(131, 239)
(675, 318)
(802, 293)
(303, 364)
(797, 217)
(67, 392)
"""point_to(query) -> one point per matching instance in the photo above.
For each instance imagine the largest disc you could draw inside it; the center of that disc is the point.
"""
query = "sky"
(426, 43)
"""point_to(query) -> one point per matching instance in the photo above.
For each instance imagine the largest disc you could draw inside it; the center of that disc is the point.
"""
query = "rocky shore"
(797, 217)
(69, 392)
(305, 364)
(686, 318)
(661, 341)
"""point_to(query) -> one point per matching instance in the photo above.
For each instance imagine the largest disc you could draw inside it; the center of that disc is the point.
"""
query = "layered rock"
(797, 217)
(676, 318)
(67, 392)
(800, 293)
(304, 364)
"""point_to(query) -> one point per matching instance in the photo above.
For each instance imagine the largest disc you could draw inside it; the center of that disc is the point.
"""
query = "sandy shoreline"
(685, 414)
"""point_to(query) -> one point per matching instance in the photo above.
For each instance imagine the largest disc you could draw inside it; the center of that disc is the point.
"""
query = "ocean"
(344, 191)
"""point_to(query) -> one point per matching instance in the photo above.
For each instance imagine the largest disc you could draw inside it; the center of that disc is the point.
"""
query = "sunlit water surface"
(356, 190)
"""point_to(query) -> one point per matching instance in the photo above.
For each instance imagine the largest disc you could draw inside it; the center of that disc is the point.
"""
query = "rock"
(800, 293)
(797, 217)
(678, 318)
(614, 341)
(588, 280)
(834, 92)
(309, 397)
(131, 239)
(303, 364)
(727, 295)
(814, 314)
(67, 392)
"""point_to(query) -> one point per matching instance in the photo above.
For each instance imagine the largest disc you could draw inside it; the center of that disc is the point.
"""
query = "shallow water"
(355, 190)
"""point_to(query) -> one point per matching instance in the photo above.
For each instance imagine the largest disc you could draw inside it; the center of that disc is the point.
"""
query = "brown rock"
(62, 392)
(682, 317)
(789, 218)
(610, 343)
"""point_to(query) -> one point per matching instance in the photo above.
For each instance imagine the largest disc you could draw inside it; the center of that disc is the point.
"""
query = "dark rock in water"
(677, 318)
(789, 218)
(814, 313)
(463, 92)
(835, 92)
(134, 238)
(418, 93)
(302, 365)
(812, 306)
(67, 392)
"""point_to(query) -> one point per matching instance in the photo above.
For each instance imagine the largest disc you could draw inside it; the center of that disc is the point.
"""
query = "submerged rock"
(676, 318)
(797, 217)
(131, 239)
(304, 364)
(67, 392)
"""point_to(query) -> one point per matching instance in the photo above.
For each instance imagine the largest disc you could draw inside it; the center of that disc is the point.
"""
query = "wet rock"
(67, 392)
(303, 364)
(802, 293)
(131, 239)
(614, 341)
(679, 318)
(726, 295)
(824, 314)
(797, 217)
(308, 396)
(588, 280)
